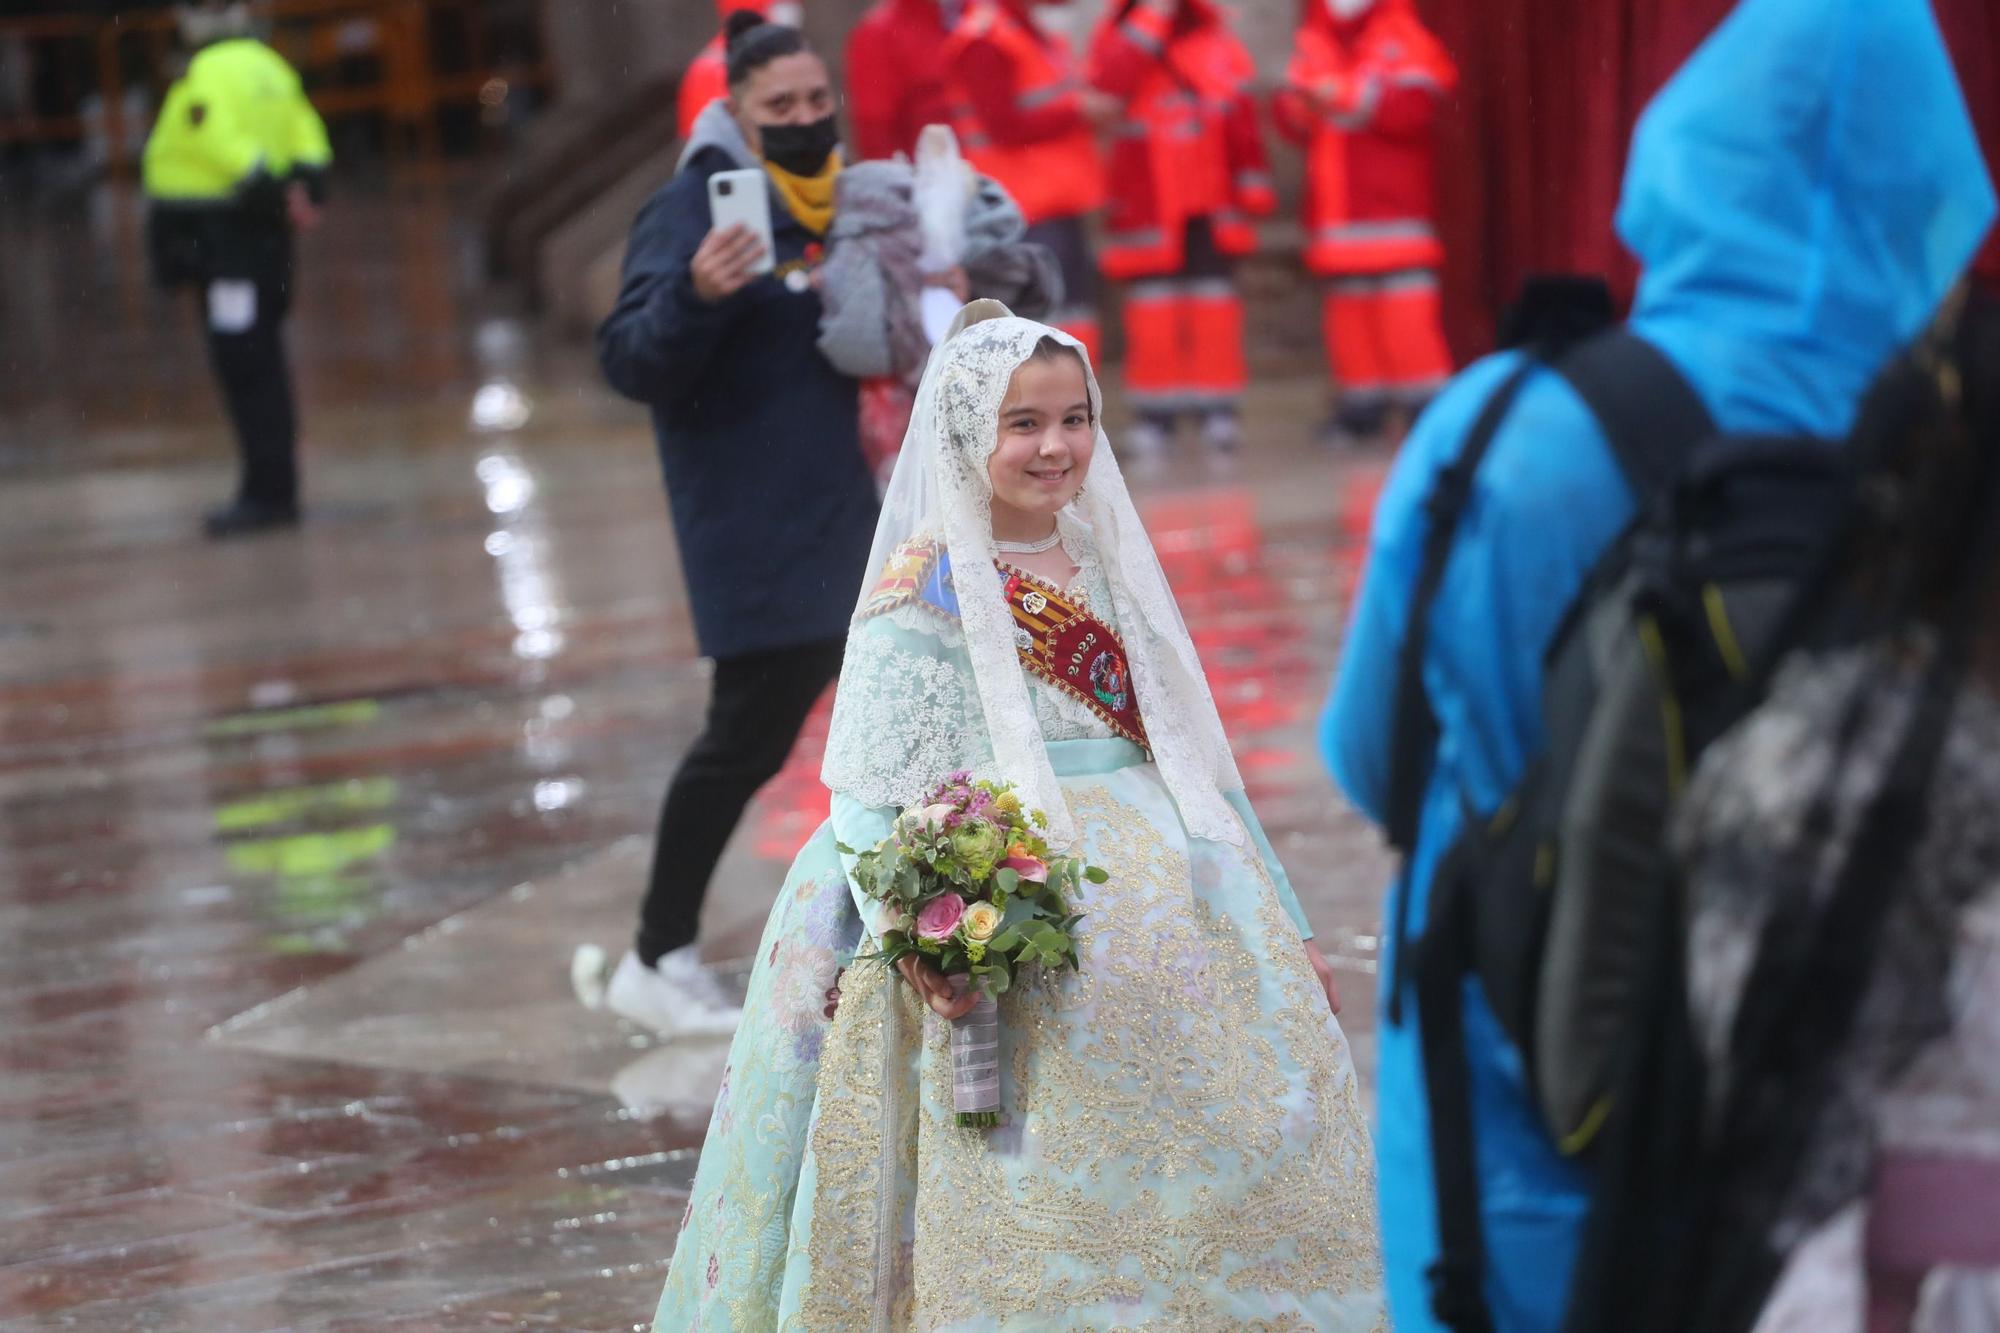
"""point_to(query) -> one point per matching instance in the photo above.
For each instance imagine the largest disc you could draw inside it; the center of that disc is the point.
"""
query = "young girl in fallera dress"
(1181, 1143)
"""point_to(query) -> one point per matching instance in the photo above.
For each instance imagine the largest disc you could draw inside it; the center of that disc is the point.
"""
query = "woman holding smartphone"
(716, 330)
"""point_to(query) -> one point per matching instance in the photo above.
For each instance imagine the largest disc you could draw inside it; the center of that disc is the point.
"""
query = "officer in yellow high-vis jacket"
(237, 160)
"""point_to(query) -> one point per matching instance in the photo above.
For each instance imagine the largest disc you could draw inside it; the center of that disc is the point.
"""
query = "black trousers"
(256, 381)
(757, 705)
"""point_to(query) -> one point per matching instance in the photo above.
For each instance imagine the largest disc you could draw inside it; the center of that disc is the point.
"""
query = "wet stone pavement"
(297, 834)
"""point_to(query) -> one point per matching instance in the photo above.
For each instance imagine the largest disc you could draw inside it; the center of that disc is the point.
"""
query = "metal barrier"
(358, 57)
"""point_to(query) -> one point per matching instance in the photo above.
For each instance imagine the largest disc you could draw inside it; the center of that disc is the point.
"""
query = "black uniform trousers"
(256, 381)
(758, 703)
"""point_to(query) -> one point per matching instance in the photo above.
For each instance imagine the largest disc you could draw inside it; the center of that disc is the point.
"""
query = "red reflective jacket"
(1189, 146)
(1017, 107)
(1363, 97)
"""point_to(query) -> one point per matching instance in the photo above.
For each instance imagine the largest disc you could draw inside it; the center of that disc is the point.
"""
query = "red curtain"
(1972, 27)
(1533, 148)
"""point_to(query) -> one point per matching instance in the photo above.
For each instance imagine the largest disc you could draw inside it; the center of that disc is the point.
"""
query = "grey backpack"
(1560, 900)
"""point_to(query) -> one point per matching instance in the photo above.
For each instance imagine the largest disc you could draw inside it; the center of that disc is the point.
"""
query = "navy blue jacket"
(772, 501)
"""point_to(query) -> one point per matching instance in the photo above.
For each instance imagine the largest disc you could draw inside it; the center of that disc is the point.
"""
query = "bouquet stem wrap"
(975, 1062)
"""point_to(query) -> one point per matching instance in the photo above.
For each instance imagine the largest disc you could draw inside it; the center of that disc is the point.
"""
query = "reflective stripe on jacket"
(1363, 97)
(1189, 146)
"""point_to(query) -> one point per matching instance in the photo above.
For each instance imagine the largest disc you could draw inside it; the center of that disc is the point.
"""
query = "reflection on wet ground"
(296, 835)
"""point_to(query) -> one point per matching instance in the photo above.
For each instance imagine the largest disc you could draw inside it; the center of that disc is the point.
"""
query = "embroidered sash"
(1074, 651)
(1057, 640)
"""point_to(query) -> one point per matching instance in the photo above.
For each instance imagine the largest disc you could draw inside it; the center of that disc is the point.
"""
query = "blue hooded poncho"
(1801, 195)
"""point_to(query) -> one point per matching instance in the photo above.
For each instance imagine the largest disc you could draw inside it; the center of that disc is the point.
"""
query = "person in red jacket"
(1025, 117)
(896, 76)
(707, 78)
(1188, 172)
(1362, 93)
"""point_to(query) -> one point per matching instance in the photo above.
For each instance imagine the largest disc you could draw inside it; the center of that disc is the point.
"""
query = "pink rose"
(935, 816)
(939, 917)
(1027, 867)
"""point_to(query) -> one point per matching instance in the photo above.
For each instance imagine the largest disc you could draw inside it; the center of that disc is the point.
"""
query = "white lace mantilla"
(915, 718)
(884, 747)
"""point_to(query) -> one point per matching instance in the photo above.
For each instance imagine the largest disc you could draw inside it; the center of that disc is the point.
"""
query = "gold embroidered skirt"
(1182, 1144)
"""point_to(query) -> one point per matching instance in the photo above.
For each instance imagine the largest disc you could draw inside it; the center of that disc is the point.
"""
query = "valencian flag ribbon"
(1058, 640)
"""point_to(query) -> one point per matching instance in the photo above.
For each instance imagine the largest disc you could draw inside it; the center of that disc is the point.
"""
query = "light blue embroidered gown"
(1182, 1145)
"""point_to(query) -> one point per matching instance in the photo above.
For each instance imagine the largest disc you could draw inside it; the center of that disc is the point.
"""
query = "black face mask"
(800, 149)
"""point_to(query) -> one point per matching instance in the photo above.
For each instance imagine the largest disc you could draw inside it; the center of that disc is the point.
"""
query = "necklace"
(1047, 543)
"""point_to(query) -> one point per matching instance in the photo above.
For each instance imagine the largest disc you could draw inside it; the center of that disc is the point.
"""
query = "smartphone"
(745, 197)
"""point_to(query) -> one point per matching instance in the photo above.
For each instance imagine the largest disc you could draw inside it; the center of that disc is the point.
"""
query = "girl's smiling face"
(1047, 435)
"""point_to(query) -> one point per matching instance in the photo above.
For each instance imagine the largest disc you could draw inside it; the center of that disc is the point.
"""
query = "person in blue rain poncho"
(1801, 195)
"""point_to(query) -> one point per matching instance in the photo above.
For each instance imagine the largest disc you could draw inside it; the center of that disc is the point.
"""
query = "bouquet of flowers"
(968, 884)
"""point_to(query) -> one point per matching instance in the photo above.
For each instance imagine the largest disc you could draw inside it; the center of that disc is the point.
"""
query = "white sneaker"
(678, 997)
(1145, 445)
(1222, 431)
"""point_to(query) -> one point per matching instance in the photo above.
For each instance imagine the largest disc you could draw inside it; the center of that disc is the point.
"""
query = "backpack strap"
(1651, 418)
(1649, 413)
(1414, 733)
(1457, 1277)
(1413, 729)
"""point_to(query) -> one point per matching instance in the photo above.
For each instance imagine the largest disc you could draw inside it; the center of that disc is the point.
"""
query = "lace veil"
(895, 732)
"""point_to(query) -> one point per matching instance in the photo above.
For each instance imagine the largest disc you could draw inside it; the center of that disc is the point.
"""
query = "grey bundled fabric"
(873, 247)
(1768, 824)
(871, 284)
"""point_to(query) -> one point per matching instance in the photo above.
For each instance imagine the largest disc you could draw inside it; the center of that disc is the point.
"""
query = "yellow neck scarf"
(808, 198)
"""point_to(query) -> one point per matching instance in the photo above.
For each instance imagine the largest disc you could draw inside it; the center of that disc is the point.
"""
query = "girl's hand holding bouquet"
(970, 895)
